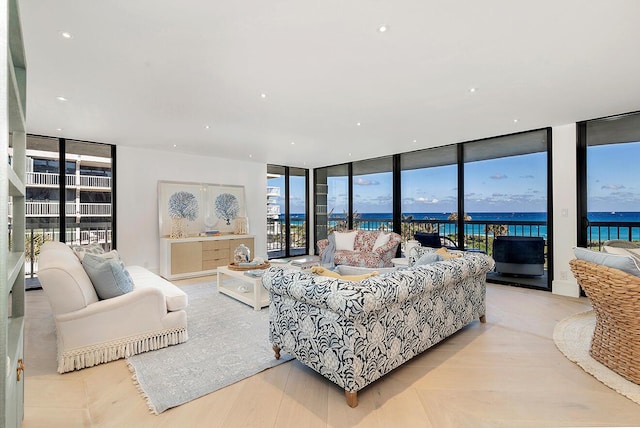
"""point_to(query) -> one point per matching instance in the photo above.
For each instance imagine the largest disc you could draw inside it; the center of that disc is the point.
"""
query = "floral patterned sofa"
(355, 332)
(366, 251)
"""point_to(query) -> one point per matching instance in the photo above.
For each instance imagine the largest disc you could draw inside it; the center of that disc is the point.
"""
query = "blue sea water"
(628, 222)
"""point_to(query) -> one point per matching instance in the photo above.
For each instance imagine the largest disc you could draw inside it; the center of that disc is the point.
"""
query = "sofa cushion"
(624, 263)
(108, 276)
(345, 240)
(142, 278)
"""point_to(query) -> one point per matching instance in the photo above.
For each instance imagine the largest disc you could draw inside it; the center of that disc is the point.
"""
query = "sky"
(512, 184)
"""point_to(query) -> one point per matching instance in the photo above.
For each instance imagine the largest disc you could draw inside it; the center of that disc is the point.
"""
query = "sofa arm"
(139, 311)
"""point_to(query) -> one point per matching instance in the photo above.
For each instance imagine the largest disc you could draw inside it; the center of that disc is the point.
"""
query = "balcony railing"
(479, 234)
(52, 209)
(83, 234)
(599, 232)
(49, 179)
(276, 238)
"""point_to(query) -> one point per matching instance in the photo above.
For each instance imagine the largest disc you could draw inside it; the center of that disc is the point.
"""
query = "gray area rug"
(572, 336)
(228, 341)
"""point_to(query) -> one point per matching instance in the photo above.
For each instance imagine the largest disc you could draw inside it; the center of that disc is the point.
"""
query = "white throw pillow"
(381, 240)
(345, 240)
(633, 252)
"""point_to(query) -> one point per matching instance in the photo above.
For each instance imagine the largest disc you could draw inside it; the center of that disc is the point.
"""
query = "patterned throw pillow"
(108, 275)
(81, 250)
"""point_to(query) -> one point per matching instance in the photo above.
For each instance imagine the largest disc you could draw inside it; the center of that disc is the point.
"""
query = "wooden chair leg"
(276, 349)
(352, 398)
(483, 319)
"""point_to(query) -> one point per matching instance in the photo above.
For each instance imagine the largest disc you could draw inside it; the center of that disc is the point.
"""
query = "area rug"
(228, 341)
(572, 336)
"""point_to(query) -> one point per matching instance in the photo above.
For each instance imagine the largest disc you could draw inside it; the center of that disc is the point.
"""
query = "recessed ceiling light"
(293, 143)
(61, 99)
(383, 28)
(207, 127)
(58, 129)
(263, 95)
(472, 89)
(66, 35)
(358, 124)
(250, 156)
(515, 120)
(349, 154)
(175, 145)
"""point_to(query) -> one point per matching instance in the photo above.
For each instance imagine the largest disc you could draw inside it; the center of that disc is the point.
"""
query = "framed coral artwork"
(193, 209)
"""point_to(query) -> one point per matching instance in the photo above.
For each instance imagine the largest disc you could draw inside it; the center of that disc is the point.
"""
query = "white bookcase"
(12, 214)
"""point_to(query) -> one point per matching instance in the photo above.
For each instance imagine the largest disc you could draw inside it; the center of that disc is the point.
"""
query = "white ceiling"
(154, 73)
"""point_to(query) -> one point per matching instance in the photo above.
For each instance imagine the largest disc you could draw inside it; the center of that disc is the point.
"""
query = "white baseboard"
(565, 288)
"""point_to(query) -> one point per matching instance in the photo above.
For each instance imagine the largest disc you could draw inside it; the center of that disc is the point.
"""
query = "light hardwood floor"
(505, 373)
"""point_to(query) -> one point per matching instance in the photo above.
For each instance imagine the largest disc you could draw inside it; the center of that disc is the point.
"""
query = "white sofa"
(91, 331)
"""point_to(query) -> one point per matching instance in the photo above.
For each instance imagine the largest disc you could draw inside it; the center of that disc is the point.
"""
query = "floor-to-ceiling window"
(468, 193)
(372, 190)
(332, 199)
(70, 195)
(609, 196)
(429, 192)
(506, 188)
(287, 211)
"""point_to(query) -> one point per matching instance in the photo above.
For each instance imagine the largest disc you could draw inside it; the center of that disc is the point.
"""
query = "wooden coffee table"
(247, 290)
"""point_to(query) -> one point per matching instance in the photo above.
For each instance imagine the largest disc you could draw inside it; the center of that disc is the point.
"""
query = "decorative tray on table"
(247, 266)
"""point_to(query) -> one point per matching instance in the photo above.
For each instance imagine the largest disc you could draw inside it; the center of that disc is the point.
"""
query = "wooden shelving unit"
(12, 215)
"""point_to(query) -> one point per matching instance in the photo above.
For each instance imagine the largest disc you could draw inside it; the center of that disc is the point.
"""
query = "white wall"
(565, 208)
(138, 173)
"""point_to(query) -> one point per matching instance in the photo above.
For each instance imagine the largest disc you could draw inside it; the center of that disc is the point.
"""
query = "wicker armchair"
(615, 297)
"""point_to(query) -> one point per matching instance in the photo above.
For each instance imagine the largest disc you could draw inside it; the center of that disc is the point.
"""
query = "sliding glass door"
(287, 211)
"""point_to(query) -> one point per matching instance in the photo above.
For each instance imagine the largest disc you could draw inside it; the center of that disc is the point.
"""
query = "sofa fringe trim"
(103, 353)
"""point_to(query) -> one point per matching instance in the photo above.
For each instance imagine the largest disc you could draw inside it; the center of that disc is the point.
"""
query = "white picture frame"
(205, 207)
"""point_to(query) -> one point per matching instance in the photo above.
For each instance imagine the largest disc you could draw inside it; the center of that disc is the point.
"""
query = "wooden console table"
(198, 256)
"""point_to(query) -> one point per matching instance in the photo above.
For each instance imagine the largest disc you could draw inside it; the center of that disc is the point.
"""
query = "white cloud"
(363, 182)
(498, 176)
(612, 186)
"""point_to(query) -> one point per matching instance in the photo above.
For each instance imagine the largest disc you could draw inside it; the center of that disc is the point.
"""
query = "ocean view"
(630, 221)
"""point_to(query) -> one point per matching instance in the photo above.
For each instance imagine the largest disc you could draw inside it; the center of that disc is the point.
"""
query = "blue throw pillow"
(428, 258)
(108, 275)
(624, 263)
